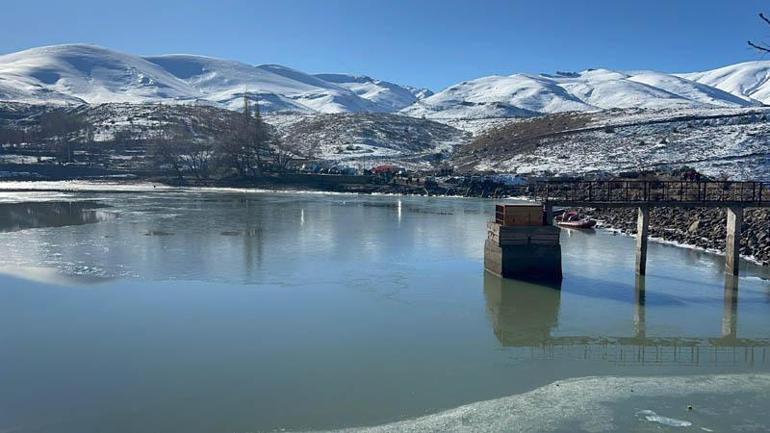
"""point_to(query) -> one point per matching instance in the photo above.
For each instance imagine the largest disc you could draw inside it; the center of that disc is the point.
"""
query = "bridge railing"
(654, 191)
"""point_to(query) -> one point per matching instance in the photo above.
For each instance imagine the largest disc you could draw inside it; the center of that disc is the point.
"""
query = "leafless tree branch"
(759, 47)
(764, 18)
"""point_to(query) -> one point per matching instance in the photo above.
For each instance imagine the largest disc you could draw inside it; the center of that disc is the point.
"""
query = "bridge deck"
(632, 193)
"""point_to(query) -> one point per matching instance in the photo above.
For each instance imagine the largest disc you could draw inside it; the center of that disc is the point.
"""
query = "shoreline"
(701, 229)
(663, 241)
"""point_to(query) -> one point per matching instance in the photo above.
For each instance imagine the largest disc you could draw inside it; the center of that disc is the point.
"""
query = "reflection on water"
(730, 314)
(524, 315)
(19, 216)
(640, 299)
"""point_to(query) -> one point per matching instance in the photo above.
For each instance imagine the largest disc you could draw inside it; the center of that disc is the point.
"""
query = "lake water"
(230, 311)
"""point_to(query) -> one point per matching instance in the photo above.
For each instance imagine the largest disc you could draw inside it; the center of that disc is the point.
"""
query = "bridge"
(646, 194)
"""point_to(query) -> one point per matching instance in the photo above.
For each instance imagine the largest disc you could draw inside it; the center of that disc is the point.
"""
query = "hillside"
(368, 139)
(567, 122)
(526, 95)
(735, 142)
(388, 96)
(748, 79)
(122, 131)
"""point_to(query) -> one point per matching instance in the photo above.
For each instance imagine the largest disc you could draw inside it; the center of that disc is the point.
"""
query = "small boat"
(573, 220)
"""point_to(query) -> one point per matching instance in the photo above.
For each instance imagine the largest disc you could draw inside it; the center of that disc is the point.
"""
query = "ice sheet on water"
(82, 186)
(651, 416)
(593, 404)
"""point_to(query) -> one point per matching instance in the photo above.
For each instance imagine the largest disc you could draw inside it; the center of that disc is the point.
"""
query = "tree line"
(198, 143)
(245, 146)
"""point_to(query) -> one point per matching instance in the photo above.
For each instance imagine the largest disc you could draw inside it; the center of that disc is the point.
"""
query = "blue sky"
(424, 43)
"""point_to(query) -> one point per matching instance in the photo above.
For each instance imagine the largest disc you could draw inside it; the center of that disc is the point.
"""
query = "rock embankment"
(700, 227)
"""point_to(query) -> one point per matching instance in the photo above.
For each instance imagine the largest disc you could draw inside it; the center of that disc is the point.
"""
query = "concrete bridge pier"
(519, 245)
(642, 232)
(733, 239)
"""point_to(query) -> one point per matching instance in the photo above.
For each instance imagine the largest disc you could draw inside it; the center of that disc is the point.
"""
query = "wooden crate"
(519, 214)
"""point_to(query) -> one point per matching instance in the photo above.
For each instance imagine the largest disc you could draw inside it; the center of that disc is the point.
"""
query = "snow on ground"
(388, 96)
(715, 142)
(368, 139)
(748, 79)
(90, 74)
(23, 159)
(72, 73)
(522, 95)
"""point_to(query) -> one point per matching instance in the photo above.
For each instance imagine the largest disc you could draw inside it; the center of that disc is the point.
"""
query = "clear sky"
(427, 43)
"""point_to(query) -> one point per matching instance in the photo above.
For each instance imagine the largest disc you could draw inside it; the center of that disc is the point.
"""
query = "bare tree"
(182, 153)
(761, 46)
(165, 152)
(63, 130)
(196, 156)
(245, 146)
(282, 155)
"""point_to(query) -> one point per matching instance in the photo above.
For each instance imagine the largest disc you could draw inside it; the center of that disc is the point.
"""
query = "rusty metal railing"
(652, 192)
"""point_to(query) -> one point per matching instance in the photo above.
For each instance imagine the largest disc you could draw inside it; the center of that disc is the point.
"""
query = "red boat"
(573, 220)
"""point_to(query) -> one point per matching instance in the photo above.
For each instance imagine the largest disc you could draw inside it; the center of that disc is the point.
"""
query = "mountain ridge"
(82, 73)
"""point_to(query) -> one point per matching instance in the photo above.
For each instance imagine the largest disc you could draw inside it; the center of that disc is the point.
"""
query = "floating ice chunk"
(654, 417)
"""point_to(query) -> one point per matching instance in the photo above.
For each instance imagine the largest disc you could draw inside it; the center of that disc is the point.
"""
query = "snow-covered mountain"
(86, 73)
(748, 80)
(389, 96)
(520, 95)
(91, 74)
(277, 88)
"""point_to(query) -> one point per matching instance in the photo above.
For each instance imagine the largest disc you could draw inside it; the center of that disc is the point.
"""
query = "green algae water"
(168, 310)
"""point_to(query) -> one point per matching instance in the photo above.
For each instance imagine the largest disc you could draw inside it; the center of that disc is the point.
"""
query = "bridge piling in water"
(520, 245)
(733, 239)
(642, 233)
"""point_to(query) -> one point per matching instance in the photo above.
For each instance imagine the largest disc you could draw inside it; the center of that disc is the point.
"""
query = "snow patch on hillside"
(524, 95)
(734, 142)
(387, 96)
(749, 80)
(368, 139)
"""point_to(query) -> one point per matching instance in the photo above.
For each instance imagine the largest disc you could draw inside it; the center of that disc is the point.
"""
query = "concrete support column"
(733, 240)
(642, 232)
(530, 253)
